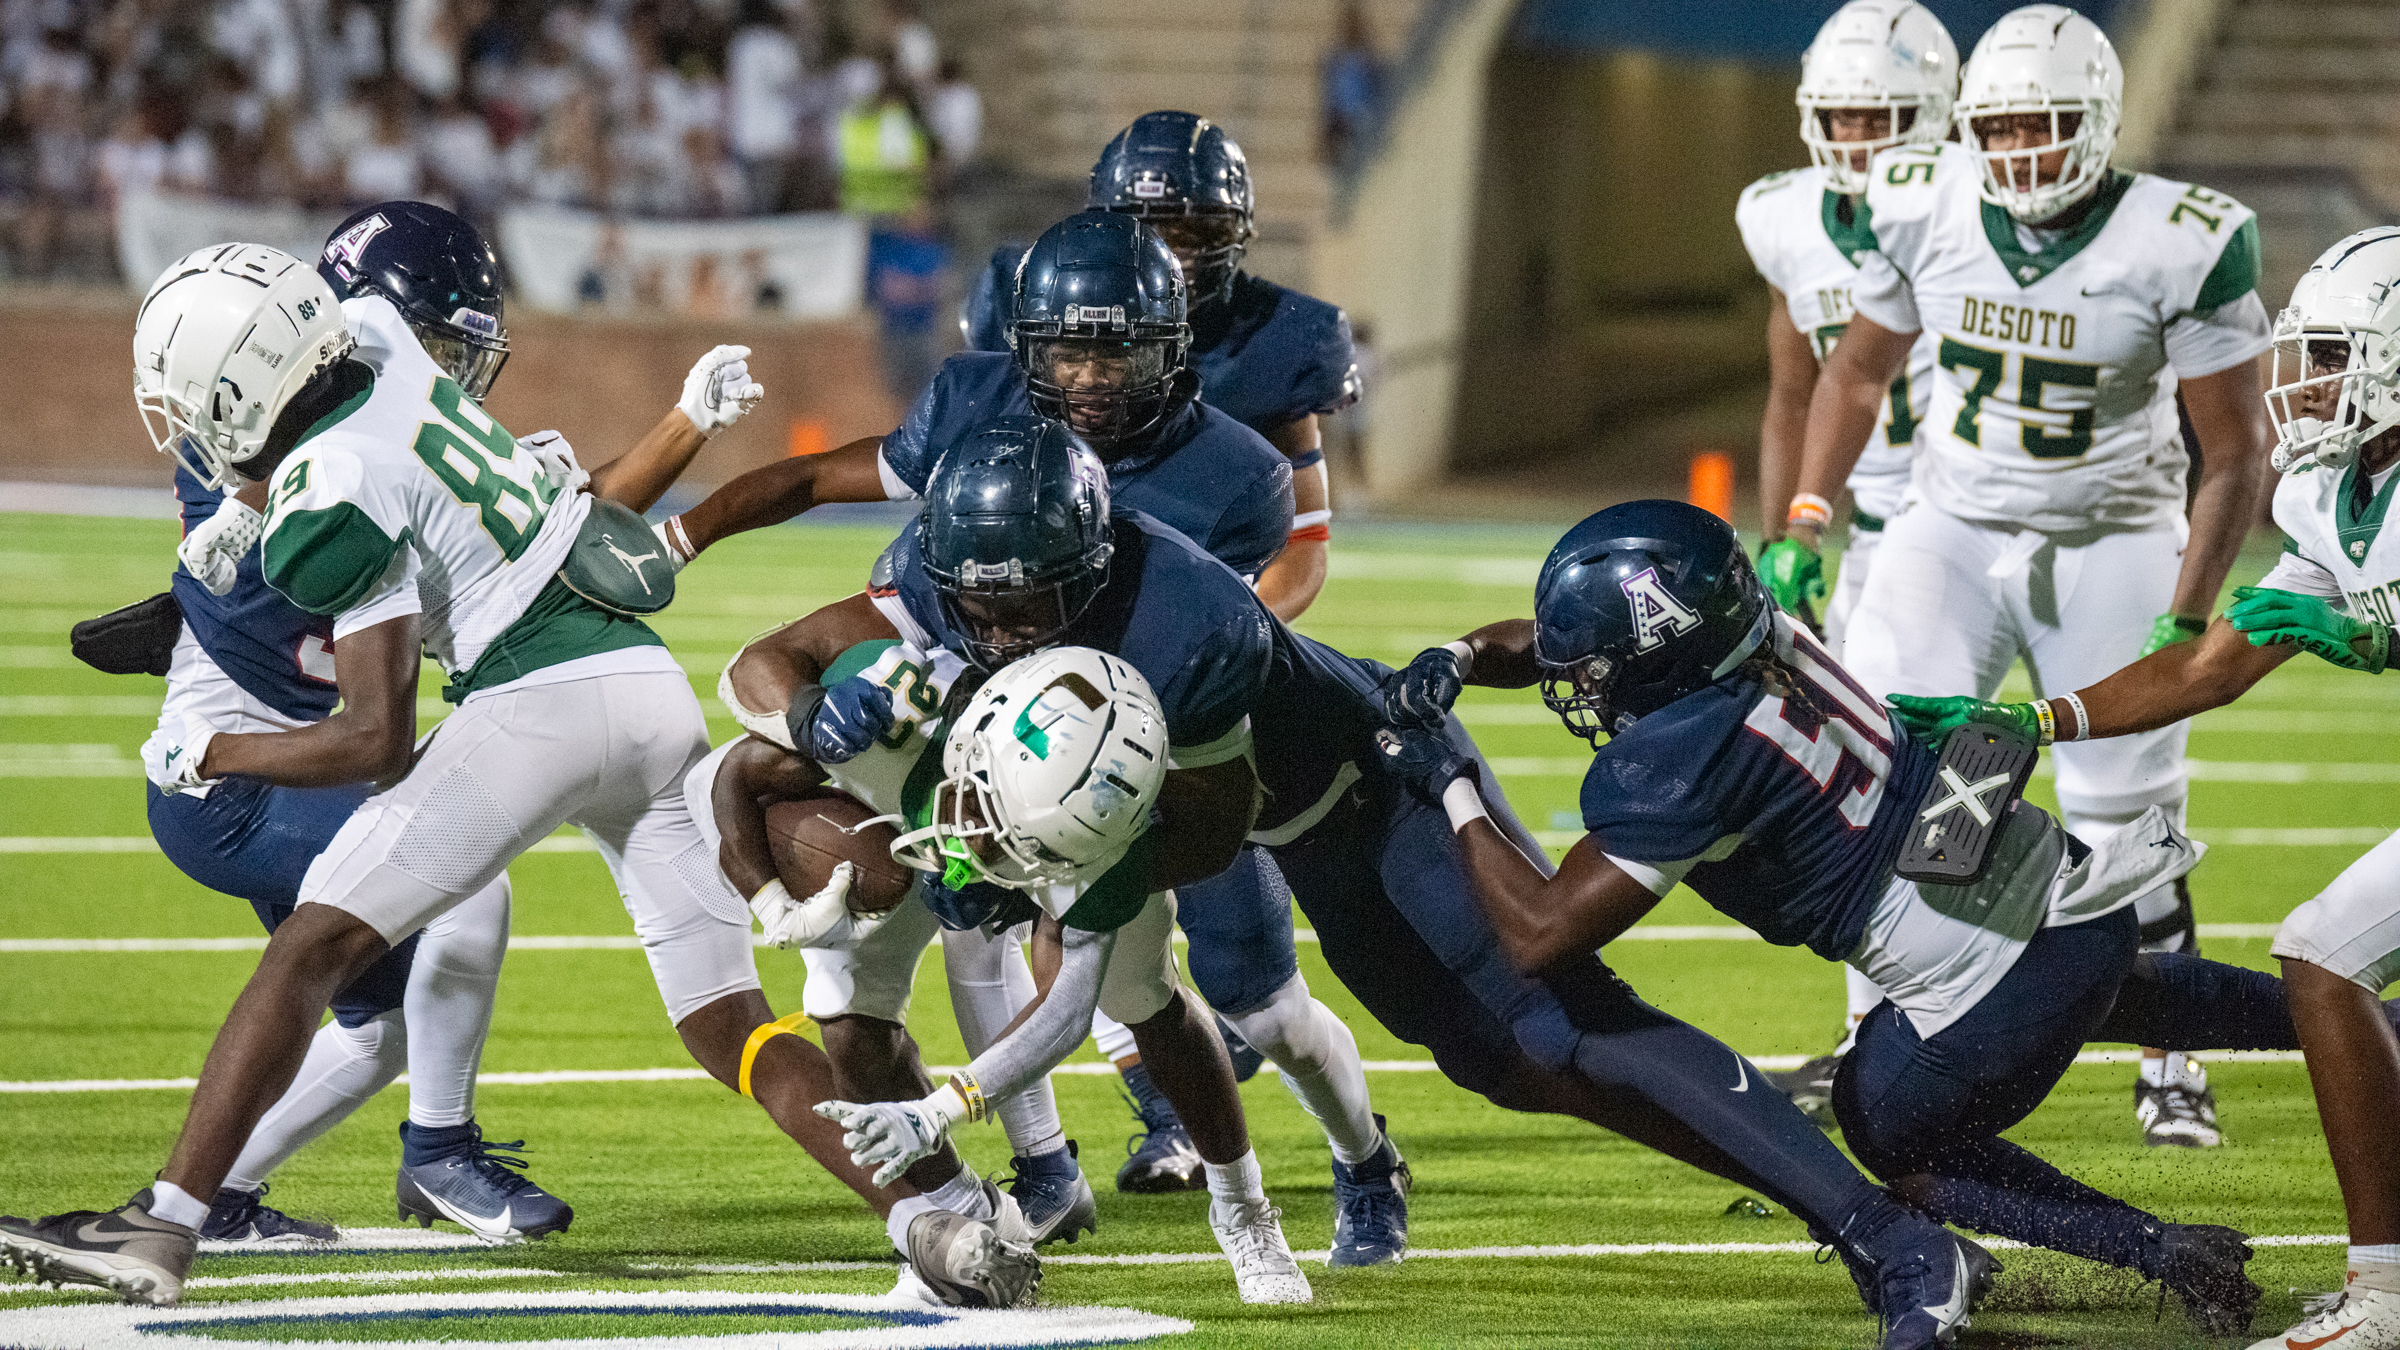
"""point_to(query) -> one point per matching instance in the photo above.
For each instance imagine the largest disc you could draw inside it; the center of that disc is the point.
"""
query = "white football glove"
(217, 545)
(719, 391)
(822, 920)
(894, 1134)
(557, 459)
(172, 762)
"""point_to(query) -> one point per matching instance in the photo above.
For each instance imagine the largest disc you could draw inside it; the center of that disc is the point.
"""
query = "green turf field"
(677, 1181)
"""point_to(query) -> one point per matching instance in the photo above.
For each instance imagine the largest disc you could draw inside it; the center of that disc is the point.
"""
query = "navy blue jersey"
(1798, 806)
(1212, 653)
(1201, 472)
(1266, 357)
(279, 653)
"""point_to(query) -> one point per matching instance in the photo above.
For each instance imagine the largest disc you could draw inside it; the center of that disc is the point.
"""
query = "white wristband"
(1464, 653)
(2083, 718)
(1463, 803)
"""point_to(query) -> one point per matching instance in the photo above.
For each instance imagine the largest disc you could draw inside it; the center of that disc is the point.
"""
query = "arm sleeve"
(394, 596)
(1330, 382)
(1055, 1026)
(1659, 878)
(1207, 701)
(1665, 817)
(2200, 344)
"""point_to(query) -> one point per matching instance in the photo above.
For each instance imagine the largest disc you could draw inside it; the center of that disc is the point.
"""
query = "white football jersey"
(410, 498)
(2334, 546)
(2057, 354)
(1798, 241)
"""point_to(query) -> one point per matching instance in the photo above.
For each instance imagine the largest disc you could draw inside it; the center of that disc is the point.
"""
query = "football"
(809, 837)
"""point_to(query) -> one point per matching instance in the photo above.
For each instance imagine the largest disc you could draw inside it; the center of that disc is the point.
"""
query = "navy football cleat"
(1162, 1157)
(1926, 1282)
(1370, 1201)
(1050, 1191)
(244, 1216)
(474, 1186)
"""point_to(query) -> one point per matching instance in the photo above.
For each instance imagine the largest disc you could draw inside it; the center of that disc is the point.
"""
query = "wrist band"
(970, 1092)
(1463, 804)
(806, 700)
(2083, 718)
(787, 1025)
(1809, 508)
(671, 533)
(1465, 654)
(2045, 722)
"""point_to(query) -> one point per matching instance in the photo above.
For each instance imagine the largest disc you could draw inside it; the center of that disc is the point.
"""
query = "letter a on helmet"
(1657, 614)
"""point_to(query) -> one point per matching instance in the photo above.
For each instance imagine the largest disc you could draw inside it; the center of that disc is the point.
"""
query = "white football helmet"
(2044, 59)
(1889, 54)
(223, 341)
(1054, 766)
(2341, 329)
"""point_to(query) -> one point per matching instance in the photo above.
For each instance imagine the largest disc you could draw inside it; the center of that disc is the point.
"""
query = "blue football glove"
(836, 725)
(969, 904)
(2265, 616)
(1421, 694)
(1422, 760)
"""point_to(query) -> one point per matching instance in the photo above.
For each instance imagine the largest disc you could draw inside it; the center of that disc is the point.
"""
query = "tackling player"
(1013, 556)
(404, 512)
(1880, 73)
(1744, 762)
(2071, 303)
(2334, 592)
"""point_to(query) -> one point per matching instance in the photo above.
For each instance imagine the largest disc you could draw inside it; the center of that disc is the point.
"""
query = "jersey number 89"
(477, 460)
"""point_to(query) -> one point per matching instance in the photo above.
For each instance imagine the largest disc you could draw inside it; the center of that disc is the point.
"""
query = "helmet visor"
(1103, 389)
(1004, 624)
(2317, 395)
(473, 362)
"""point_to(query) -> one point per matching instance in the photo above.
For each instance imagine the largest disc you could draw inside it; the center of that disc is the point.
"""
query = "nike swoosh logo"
(1949, 1312)
(2324, 1340)
(498, 1226)
(1741, 1074)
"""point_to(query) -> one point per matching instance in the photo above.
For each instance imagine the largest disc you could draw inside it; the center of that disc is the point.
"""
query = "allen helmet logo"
(1112, 316)
(476, 321)
(1149, 187)
(1657, 614)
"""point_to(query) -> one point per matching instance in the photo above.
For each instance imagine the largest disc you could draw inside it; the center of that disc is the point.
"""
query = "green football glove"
(1795, 575)
(2168, 629)
(2266, 616)
(1931, 720)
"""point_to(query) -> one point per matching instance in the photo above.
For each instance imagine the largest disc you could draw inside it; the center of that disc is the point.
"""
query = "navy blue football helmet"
(1097, 325)
(437, 270)
(1016, 537)
(1638, 606)
(1179, 171)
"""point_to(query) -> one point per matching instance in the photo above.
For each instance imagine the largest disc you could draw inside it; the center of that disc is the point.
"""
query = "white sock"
(173, 1204)
(2376, 1267)
(989, 985)
(905, 1212)
(449, 1004)
(1317, 1058)
(344, 1067)
(1112, 1038)
(1235, 1183)
(963, 1194)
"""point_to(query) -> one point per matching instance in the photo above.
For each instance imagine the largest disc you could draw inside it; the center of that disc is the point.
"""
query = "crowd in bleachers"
(657, 108)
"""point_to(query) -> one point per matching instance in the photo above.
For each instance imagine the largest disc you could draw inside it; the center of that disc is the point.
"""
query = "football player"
(2335, 592)
(1013, 555)
(2070, 303)
(1881, 73)
(1744, 762)
(402, 511)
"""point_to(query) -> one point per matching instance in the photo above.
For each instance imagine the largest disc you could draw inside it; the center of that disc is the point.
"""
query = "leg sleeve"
(449, 1005)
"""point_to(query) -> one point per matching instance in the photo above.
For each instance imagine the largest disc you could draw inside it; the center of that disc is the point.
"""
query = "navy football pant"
(1240, 925)
(1383, 881)
(254, 840)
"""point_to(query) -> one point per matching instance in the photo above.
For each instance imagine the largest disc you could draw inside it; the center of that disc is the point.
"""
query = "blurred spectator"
(905, 260)
(387, 163)
(954, 114)
(912, 43)
(763, 77)
(1352, 76)
(884, 152)
(463, 159)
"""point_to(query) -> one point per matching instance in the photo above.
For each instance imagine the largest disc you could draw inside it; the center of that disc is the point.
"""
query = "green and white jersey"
(1799, 240)
(2334, 542)
(2057, 352)
(408, 498)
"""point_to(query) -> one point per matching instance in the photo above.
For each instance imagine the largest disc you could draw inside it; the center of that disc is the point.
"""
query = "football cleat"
(1370, 1204)
(1162, 1157)
(2202, 1264)
(244, 1216)
(482, 1191)
(1810, 1087)
(2356, 1319)
(1057, 1202)
(125, 1251)
(1926, 1286)
(1263, 1267)
(967, 1263)
(2181, 1114)
(911, 1290)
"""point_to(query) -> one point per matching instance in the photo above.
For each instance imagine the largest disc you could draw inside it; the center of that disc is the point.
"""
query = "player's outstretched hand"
(557, 458)
(1421, 759)
(888, 1136)
(1931, 720)
(1420, 695)
(2265, 616)
(216, 546)
(719, 391)
(836, 725)
(1794, 574)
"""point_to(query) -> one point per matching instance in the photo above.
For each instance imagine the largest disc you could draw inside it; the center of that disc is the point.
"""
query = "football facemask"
(473, 363)
(1106, 390)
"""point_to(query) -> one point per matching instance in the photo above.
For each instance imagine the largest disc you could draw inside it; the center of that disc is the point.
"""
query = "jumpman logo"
(1968, 795)
(632, 563)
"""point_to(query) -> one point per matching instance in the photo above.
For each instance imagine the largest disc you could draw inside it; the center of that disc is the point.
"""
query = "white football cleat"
(1252, 1238)
(2181, 1114)
(910, 1290)
(2360, 1319)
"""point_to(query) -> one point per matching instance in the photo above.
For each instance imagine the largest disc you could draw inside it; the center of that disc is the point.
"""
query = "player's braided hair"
(1780, 678)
